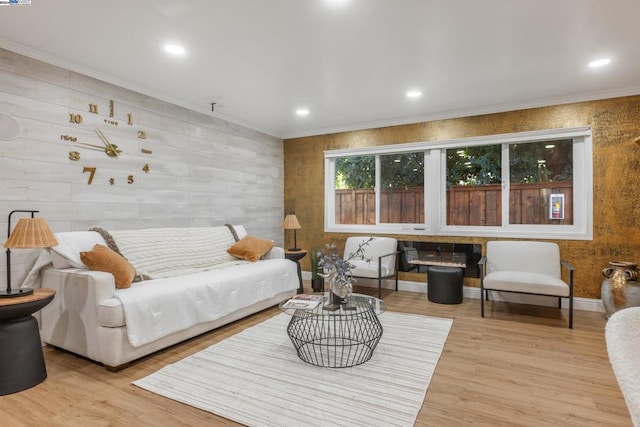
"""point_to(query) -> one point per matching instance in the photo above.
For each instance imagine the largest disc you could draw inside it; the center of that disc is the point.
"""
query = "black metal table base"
(344, 339)
(21, 359)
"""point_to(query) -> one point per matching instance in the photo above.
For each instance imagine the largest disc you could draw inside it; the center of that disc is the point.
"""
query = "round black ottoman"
(444, 284)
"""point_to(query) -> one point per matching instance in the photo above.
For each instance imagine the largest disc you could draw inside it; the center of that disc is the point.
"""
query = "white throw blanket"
(168, 252)
(176, 304)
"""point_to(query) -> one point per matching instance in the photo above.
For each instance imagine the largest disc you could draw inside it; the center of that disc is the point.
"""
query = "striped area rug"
(256, 378)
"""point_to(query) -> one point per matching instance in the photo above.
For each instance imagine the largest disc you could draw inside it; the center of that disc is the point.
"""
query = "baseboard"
(579, 303)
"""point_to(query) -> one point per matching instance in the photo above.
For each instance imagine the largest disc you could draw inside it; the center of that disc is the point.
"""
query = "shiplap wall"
(203, 170)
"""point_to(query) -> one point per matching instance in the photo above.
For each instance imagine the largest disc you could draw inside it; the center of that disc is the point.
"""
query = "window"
(533, 184)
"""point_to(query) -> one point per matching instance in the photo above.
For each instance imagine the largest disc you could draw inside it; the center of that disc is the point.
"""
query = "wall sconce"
(29, 233)
(291, 223)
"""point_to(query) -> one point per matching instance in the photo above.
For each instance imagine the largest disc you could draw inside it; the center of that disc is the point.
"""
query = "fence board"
(466, 205)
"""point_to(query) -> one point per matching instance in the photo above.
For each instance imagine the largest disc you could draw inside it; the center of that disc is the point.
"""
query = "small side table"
(21, 359)
(296, 256)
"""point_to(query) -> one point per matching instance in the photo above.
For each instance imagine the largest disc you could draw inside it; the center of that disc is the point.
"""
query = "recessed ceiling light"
(174, 49)
(599, 62)
(302, 112)
(414, 94)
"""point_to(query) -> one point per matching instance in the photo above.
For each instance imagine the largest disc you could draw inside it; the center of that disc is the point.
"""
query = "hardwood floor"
(519, 366)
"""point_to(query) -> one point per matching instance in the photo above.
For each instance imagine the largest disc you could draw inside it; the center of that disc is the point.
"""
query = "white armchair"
(379, 259)
(525, 267)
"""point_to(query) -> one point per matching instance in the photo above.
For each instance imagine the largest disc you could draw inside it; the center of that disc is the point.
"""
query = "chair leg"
(571, 312)
(379, 287)
(482, 291)
(559, 302)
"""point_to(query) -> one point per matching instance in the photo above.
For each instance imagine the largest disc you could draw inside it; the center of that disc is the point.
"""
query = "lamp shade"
(31, 233)
(291, 222)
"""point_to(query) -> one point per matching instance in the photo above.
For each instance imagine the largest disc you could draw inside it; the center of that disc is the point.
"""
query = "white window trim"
(435, 184)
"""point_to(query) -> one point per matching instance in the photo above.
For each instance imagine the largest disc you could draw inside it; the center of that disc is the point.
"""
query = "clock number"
(112, 108)
(130, 179)
(145, 168)
(75, 118)
(74, 155)
(112, 181)
(93, 108)
(92, 172)
(142, 134)
(130, 118)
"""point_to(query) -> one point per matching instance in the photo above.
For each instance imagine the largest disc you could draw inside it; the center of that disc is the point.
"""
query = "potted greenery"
(317, 282)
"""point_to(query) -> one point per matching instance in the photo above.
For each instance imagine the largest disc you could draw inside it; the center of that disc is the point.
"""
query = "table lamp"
(29, 233)
(291, 223)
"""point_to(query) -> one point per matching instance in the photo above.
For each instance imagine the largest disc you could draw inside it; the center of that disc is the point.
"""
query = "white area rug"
(256, 378)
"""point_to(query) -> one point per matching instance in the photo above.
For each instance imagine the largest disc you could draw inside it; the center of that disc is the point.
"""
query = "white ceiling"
(349, 64)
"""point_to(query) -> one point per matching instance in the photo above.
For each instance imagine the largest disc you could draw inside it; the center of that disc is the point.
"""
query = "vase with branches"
(338, 272)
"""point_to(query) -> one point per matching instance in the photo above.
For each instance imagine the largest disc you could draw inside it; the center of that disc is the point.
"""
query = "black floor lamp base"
(12, 293)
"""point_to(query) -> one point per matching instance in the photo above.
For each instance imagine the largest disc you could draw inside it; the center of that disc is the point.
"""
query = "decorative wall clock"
(102, 142)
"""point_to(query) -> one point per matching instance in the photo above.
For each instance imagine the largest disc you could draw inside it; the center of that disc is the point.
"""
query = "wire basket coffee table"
(337, 339)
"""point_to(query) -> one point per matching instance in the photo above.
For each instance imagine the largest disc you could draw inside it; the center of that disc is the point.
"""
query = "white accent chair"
(525, 267)
(623, 347)
(378, 261)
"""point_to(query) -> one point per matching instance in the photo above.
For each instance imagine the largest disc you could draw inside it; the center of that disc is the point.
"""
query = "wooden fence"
(466, 205)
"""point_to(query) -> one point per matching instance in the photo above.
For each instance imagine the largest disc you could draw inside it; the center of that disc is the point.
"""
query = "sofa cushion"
(101, 258)
(250, 248)
(70, 244)
(111, 313)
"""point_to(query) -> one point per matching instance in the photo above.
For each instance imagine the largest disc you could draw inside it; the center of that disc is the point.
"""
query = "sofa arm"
(70, 321)
(274, 253)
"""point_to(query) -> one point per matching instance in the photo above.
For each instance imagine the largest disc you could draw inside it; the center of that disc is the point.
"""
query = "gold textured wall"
(616, 168)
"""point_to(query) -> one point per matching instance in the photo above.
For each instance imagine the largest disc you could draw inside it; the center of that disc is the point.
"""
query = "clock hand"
(111, 150)
(99, 147)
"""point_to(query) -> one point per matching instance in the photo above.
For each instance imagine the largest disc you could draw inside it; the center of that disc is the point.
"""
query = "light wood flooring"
(520, 366)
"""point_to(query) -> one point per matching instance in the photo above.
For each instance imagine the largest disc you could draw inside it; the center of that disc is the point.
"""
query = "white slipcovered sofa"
(192, 286)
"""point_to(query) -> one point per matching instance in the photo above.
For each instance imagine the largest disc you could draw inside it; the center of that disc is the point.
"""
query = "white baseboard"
(579, 303)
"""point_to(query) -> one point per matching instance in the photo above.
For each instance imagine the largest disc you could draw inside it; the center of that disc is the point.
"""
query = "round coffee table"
(337, 339)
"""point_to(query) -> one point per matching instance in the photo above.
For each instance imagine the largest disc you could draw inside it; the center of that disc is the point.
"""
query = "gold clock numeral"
(112, 181)
(142, 134)
(93, 108)
(145, 168)
(130, 118)
(145, 151)
(68, 138)
(74, 155)
(130, 179)
(112, 108)
(92, 172)
(75, 118)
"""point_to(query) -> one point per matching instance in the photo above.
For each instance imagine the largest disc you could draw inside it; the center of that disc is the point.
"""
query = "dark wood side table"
(296, 256)
(21, 358)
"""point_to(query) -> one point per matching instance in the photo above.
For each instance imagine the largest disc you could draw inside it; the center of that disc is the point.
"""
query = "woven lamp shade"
(31, 233)
(291, 222)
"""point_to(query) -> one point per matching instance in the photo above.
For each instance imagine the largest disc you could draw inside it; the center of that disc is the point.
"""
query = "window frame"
(435, 188)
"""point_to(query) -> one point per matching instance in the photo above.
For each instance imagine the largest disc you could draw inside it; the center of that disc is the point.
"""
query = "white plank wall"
(203, 170)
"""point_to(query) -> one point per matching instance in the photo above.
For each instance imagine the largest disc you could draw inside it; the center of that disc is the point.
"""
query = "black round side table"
(296, 256)
(444, 284)
(21, 358)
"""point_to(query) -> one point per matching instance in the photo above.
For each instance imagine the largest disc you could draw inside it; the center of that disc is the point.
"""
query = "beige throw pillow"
(101, 258)
(250, 248)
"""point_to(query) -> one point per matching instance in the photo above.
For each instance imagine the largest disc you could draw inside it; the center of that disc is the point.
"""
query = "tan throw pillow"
(250, 248)
(101, 258)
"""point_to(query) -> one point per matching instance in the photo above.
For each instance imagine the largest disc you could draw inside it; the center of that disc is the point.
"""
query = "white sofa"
(193, 286)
